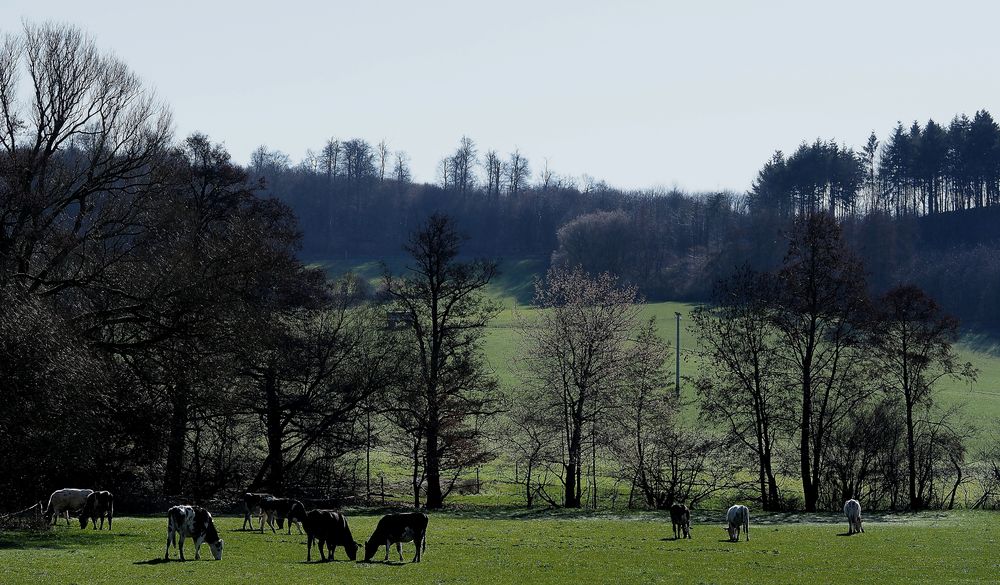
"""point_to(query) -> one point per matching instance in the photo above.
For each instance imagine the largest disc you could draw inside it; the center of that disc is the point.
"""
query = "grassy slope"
(953, 548)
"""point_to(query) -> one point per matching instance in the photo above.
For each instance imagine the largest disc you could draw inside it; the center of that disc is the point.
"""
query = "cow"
(852, 509)
(398, 528)
(282, 509)
(251, 506)
(99, 505)
(329, 528)
(197, 523)
(680, 517)
(61, 502)
(738, 517)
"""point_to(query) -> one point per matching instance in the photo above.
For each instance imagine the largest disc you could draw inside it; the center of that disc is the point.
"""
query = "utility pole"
(677, 369)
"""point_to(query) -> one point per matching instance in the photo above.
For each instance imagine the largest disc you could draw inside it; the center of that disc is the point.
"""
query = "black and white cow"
(185, 521)
(398, 528)
(251, 506)
(282, 509)
(61, 502)
(852, 509)
(329, 528)
(99, 505)
(738, 517)
(680, 517)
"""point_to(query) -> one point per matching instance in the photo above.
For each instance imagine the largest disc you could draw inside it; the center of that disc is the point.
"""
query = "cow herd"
(329, 528)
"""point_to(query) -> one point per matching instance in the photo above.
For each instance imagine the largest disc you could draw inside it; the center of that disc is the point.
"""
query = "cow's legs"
(399, 550)
(386, 550)
(180, 545)
(197, 547)
(170, 537)
(309, 548)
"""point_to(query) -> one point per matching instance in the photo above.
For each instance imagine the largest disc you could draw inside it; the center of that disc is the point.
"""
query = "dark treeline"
(915, 171)
(919, 207)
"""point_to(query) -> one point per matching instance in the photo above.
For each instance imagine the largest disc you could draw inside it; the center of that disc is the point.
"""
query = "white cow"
(852, 509)
(738, 517)
(61, 502)
(194, 522)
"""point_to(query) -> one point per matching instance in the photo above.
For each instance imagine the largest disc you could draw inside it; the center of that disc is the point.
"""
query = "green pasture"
(540, 547)
(979, 401)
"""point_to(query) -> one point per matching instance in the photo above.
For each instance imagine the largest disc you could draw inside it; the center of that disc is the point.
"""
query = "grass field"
(542, 547)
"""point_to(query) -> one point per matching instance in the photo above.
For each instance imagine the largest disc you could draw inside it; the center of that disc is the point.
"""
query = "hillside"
(980, 399)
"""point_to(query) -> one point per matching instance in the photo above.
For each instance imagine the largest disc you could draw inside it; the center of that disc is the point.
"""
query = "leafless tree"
(76, 151)
(330, 157)
(578, 349)
(382, 152)
(822, 303)
(447, 312)
(743, 391)
(494, 170)
(401, 168)
(913, 351)
(518, 173)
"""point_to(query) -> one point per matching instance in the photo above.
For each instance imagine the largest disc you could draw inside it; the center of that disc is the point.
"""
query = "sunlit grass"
(537, 547)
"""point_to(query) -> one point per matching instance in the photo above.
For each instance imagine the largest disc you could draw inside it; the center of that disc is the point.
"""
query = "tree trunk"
(272, 422)
(573, 467)
(810, 491)
(435, 499)
(911, 456)
(172, 477)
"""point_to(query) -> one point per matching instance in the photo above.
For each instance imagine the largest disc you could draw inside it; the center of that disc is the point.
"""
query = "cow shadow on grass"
(156, 561)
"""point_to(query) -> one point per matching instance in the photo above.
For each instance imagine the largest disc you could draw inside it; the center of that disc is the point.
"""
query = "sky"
(695, 94)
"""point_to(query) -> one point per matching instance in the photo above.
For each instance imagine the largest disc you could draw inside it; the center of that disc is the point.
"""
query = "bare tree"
(743, 391)
(494, 170)
(914, 351)
(518, 173)
(401, 168)
(382, 152)
(531, 443)
(578, 349)
(447, 312)
(77, 150)
(822, 302)
(329, 158)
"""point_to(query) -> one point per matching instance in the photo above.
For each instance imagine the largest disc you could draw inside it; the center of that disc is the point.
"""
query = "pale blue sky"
(692, 94)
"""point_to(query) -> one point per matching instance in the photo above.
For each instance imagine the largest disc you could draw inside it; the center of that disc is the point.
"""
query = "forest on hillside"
(919, 206)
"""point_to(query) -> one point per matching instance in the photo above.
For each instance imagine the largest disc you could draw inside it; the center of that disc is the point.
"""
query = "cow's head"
(371, 547)
(352, 550)
(83, 519)
(216, 548)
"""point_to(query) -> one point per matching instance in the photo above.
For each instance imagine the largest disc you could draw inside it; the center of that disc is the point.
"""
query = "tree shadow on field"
(28, 539)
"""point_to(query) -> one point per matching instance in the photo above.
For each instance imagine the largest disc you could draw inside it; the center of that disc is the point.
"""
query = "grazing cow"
(329, 528)
(99, 505)
(398, 528)
(61, 502)
(197, 523)
(251, 506)
(852, 509)
(738, 517)
(282, 509)
(680, 517)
